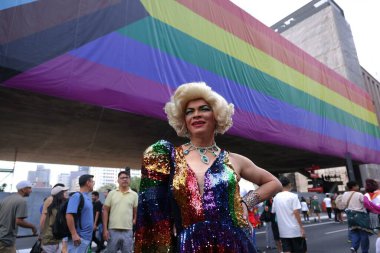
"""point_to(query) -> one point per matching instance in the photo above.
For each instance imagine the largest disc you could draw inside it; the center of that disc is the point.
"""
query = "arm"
(368, 204)
(106, 211)
(296, 213)
(71, 225)
(245, 168)
(134, 215)
(42, 221)
(46, 204)
(23, 223)
(96, 220)
(72, 208)
(154, 201)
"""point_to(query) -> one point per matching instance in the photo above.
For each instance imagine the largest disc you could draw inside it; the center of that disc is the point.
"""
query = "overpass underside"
(39, 128)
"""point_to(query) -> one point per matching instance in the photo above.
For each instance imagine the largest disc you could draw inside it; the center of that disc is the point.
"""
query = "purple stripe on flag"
(263, 129)
(135, 94)
(142, 60)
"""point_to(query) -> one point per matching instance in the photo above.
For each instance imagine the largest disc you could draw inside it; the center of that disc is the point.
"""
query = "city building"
(372, 86)
(40, 178)
(320, 29)
(104, 176)
(64, 178)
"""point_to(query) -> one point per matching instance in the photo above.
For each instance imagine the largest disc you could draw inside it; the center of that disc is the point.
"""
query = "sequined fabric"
(208, 222)
(154, 226)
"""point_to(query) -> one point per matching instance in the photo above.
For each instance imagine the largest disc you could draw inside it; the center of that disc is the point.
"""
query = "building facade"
(320, 29)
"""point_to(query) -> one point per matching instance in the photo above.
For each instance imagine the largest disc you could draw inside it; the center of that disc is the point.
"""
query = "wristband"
(251, 199)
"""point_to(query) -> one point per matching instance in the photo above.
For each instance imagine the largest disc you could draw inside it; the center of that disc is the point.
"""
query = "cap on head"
(58, 189)
(84, 178)
(23, 184)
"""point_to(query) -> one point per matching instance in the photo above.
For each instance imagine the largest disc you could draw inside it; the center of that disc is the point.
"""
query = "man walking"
(13, 211)
(119, 216)
(80, 230)
(353, 200)
(287, 208)
(327, 201)
(98, 206)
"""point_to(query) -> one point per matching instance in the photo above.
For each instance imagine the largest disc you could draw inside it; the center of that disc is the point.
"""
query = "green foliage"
(2, 187)
(106, 186)
(135, 183)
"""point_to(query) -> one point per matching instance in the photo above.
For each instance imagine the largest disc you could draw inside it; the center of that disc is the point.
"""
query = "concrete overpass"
(39, 128)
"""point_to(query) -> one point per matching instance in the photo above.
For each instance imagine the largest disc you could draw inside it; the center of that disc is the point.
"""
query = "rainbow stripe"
(282, 95)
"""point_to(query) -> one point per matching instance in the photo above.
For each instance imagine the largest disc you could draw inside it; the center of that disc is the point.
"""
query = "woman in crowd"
(305, 210)
(337, 212)
(316, 207)
(48, 242)
(372, 203)
(189, 195)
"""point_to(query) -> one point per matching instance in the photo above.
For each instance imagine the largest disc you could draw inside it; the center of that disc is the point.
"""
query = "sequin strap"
(251, 199)
(154, 226)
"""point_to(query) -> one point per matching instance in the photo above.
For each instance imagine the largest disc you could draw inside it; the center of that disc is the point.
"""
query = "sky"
(21, 172)
(363, 17)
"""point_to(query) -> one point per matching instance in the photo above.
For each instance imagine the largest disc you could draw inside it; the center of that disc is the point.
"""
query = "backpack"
(339, 202)
(59, 228)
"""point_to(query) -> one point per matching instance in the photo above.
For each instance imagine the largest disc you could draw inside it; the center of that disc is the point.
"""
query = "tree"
(2, 187)
(106, 187)
(135, 183)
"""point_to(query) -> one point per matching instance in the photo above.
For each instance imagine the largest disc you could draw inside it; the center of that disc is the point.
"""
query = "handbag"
(36, 247)
(358, 219)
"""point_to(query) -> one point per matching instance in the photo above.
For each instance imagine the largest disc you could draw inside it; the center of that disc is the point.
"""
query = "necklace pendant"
(202, 151)
(205, 159)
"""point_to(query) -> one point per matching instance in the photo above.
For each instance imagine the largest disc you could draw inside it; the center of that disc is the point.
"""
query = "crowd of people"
(189, 198)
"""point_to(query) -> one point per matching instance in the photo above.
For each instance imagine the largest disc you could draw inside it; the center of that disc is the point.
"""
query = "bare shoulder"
(240, 162)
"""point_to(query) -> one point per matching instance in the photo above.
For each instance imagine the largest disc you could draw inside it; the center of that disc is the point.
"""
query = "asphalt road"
(324, 237)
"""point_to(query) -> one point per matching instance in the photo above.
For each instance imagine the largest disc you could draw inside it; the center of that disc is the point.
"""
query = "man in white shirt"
(327, 201)
(287, 208)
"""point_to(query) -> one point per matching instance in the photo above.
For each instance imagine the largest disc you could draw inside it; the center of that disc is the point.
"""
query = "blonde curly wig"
(175, 108)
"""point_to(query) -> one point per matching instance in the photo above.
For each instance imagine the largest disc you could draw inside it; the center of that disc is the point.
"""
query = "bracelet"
(243, 202)
(251, 199)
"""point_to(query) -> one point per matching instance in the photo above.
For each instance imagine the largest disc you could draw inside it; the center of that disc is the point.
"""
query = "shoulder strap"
(79, 209)
(348, 201)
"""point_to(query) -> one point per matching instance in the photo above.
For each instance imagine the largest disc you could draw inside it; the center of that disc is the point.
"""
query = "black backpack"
(59, 228)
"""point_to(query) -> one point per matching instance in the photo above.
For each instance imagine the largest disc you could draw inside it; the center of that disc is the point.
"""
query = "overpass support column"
(350, 167)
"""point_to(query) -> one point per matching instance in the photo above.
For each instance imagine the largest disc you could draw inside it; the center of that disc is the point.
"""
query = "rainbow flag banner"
(131, 55)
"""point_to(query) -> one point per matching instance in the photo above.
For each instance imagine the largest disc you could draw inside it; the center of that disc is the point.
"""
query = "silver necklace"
(213, 149)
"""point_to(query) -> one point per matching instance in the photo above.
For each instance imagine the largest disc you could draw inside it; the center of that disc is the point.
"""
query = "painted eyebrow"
(201, 106)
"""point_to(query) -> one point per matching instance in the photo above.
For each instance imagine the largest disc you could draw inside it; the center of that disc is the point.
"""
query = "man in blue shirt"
(81, 231)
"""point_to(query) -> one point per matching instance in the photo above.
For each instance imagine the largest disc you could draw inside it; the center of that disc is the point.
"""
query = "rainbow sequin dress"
(169, 197)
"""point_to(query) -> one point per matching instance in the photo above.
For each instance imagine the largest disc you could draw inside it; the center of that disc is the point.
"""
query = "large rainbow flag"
(130, 55)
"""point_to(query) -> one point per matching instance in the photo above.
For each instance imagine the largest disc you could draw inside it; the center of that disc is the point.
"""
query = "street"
(324, 237)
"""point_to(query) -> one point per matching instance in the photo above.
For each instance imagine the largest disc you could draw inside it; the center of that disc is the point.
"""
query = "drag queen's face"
(199, 118)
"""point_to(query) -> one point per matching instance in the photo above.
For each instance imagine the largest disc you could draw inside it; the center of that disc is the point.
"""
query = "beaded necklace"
(213, 149)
